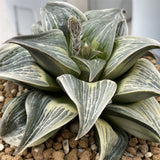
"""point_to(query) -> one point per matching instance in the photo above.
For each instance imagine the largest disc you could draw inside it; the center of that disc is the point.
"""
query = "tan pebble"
(17, 158)
(2, 153)
(158, 99)
(126, 158)
(29, 155)
(83, 142)
(24, 153)
(9, 151)
(72, 155)
(147, 159)
(5, 84)
(153, 144)
(97, 156)
(14, 92)
(1, 147)
(18, 94)
(1, 98)
(66, 134)
(59, 139)
(6, 157)
(47, 154)
(137, 158)
(73, 143)
(86, 155)
(156, 157)
(155, 150)
(20, 88)
(153, 61)
(7, 100)
(57, 146)
(37, 152)
(8, 94)
(30, 159)
(1, 93)
(133, 141)
(58, 155)
(1, 87)
(144, 148)
(139, 154)
(132, 150)
(148, 154)
(93, 147)
(49, 143)
(25, 90)
(66, 146)
(142, 141)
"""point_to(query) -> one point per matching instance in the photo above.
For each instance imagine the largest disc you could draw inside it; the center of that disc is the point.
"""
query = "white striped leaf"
(90, 69)
(56, 15)
(141, 82)
(90, 99)
(110, 13)
(141, 119)
(45, 114)
(100, 33)
(112, 144)
(16, 64)
(50, 50)
(12, 124)
(127, 50)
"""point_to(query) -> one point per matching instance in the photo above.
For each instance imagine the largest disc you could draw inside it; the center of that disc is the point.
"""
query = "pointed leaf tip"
(90, 99)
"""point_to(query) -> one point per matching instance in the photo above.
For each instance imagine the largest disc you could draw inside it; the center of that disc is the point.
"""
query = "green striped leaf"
(90, 99)
(127, 50)
(50, 51)
(16, 64)
(90, 69)
(45, 114)
(12, 124)
(142, 81)
(56, 15)
(109, 14)
(141, 119)
(100, 33)
(112, 144)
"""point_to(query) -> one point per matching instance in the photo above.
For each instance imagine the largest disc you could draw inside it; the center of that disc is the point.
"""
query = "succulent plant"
(85, 65)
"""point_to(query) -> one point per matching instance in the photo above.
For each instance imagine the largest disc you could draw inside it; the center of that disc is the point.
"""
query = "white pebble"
(1, 98)
(66, 146)
(93, 147)
(1, 147)
(148, 154)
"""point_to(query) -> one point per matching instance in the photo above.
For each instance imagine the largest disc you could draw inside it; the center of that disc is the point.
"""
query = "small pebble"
(1, 98)
(148, 154)
(65, 146)
(1, 147)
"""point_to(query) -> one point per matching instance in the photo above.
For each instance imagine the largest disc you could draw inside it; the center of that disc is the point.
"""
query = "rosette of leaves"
(85, 65)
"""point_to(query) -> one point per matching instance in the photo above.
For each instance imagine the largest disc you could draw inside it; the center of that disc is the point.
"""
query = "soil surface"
(63, 146)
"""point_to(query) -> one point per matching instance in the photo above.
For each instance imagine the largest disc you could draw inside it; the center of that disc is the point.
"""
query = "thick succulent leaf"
(109, 13)
(90, 99)
(16, 64)
(100, 33)
(12, 124)
(56, 15)
(112, 144)
(141, 119)
(50, 51)
(90, 69)
(141, 82)
(127, 50)
(45, 114)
